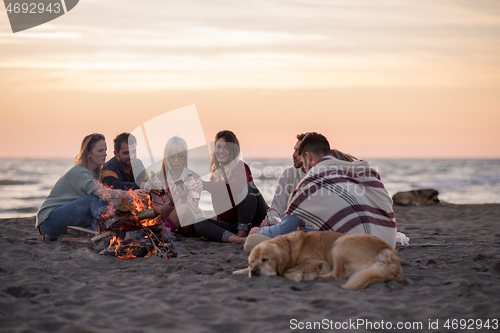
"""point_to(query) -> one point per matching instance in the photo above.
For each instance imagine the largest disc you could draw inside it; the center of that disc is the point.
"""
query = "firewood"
(129, 221)
(101, 236)
(123, 250)
(79, 231)
(147, 214)
(156, 228)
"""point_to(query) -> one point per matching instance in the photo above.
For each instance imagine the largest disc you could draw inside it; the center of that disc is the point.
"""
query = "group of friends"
(325, 189)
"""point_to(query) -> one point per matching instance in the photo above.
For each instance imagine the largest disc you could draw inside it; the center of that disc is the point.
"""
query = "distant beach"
(24, 183)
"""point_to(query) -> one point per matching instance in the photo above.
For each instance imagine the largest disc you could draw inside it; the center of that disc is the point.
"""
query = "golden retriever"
(298, 256)
(421, 197)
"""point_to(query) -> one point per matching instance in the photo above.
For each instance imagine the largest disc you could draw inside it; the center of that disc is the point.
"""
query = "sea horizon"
(26, 181)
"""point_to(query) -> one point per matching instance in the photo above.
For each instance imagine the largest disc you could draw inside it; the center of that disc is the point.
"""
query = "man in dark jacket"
(117, 172)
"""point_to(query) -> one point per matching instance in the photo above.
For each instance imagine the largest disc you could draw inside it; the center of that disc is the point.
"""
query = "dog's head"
(273, 256)
(431, 195)
(269, 258)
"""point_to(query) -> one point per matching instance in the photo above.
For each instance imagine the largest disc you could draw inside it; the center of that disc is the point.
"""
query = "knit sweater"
(74, 184)
(287, 182)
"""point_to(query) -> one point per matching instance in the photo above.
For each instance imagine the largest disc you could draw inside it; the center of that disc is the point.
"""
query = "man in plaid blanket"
(335, 195)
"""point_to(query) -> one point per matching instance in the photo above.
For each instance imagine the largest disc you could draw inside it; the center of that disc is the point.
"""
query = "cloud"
(261, 43)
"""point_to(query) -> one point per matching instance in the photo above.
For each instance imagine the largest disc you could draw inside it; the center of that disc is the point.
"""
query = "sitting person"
(77, 197)
(335, 195)
(117, 172)
(174, 168)
(237, 202)
(289, 180)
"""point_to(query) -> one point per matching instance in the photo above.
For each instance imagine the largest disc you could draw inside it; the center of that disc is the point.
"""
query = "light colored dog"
(298, 256)
(421, 197)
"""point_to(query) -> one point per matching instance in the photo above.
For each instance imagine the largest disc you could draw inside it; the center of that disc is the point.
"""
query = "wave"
(19, 210)
(10, 182)
(31, 198)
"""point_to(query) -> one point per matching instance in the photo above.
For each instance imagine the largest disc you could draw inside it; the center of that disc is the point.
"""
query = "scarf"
(225, 172)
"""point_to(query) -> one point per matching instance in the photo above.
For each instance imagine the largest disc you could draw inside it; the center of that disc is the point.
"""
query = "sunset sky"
(386, 79)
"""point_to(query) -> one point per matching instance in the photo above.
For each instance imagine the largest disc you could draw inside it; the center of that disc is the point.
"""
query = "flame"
(133, 206)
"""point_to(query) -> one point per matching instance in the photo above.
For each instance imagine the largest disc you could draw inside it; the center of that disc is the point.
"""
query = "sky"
(380, 79)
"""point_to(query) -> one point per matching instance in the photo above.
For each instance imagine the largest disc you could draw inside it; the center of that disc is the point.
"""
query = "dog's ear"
(282, 258)
(295, 240)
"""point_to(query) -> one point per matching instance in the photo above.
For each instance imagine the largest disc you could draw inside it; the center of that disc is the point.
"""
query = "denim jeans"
(82, 212)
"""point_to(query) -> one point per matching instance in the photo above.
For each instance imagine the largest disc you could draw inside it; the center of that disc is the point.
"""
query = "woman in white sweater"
(78, 198)
(174, 170)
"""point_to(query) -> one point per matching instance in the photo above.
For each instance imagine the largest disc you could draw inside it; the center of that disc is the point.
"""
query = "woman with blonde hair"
(174, 170)
(237, 202)
(78, 198)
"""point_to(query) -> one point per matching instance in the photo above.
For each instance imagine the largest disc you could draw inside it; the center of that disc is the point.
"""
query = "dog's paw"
(324, 269)
(242, 271)
(293, 275)
(309, 276)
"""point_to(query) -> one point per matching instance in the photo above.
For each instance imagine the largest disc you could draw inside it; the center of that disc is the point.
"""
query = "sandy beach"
(451, 271)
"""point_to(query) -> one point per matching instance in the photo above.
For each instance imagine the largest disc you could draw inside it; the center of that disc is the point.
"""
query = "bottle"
(154, 183)
(269, 218)
(194, 194)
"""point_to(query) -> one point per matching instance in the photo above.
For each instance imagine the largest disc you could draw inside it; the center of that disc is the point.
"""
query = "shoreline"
(451, 270)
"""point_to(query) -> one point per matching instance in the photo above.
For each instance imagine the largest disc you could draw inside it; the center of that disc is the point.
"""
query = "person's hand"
(265, 222)
(156, 192)
(254, 231)
(197, 186)
(179, 193)
(163, 205)
(164, 199)
(141, 194)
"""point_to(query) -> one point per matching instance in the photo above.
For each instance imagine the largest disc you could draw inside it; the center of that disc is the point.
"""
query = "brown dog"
(297, 256)
(422, 197)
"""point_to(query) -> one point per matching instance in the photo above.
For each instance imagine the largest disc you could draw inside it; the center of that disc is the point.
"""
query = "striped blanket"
(345, 197)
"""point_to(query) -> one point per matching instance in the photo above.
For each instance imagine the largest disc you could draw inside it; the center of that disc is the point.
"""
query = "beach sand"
(451, 271)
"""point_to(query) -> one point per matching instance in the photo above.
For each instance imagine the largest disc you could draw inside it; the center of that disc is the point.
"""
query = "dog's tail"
(385, 268)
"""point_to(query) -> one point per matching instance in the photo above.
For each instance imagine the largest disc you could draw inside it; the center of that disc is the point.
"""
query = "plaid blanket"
(346, 197)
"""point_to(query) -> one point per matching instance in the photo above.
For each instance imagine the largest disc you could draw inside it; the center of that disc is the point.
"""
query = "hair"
(342, 156)
(314, 143)
(121, 138)
(175, 145)
(234, 148)
(88, 143)
(301, 136)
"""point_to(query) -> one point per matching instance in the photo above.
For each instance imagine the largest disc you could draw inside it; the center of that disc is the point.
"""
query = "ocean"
(25, 182)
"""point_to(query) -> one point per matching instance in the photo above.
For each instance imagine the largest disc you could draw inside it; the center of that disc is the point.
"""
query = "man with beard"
(334, 195)
(287, 182)
(117, 172)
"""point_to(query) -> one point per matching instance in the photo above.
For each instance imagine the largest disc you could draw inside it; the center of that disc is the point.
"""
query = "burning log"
(126, 250)
(102, 236)
(147, 214)
(129, 221)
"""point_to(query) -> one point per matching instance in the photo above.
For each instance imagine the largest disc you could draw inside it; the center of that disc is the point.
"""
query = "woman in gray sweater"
(78, 198)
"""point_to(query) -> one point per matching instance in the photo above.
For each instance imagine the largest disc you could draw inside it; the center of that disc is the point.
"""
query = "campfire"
(133, 230)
